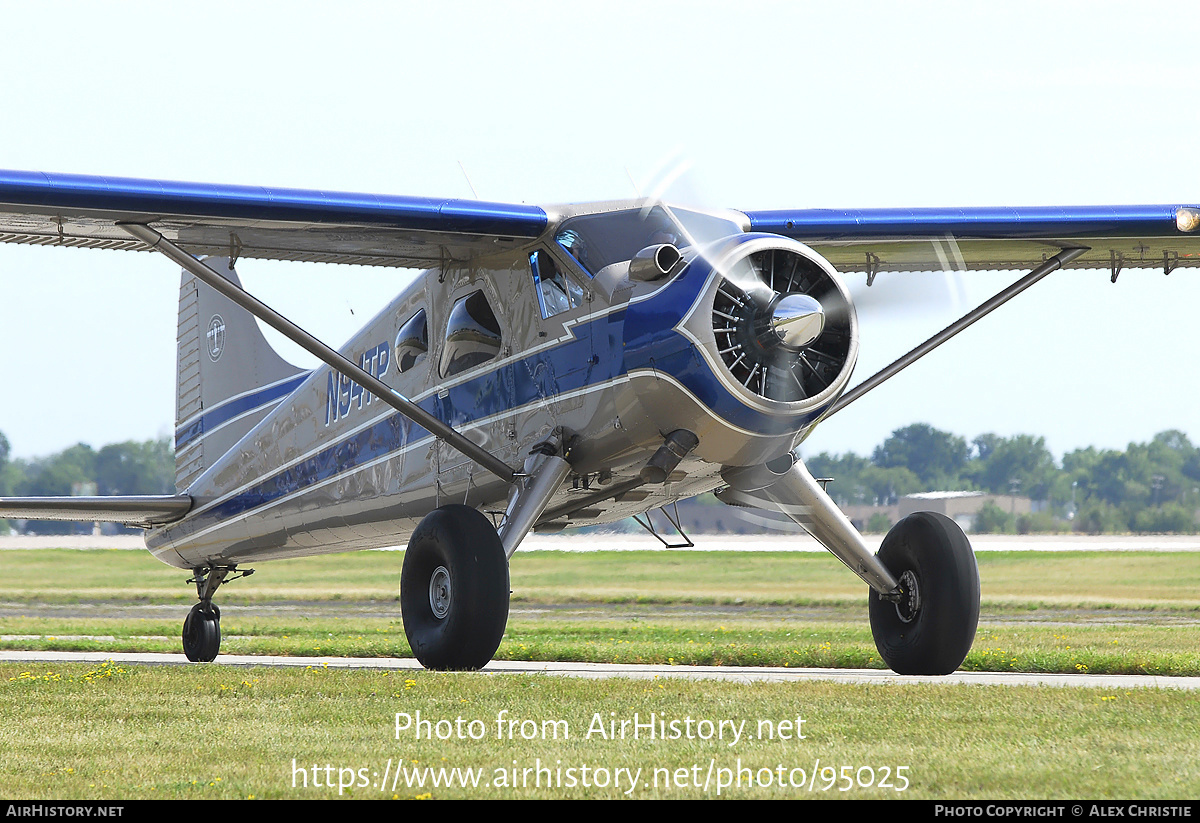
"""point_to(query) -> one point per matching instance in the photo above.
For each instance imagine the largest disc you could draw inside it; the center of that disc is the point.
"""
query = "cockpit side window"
(412, 343)
(556, 292)
(472, 335)
(574, 244)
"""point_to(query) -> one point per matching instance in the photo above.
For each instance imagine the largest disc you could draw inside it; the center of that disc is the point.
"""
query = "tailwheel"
(202, 633)
(454, 589)
(929, 626)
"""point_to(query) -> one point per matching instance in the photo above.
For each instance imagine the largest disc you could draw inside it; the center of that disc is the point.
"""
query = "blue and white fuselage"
(562, 339)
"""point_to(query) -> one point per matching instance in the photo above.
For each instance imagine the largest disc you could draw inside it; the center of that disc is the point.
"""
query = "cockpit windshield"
(599, 240)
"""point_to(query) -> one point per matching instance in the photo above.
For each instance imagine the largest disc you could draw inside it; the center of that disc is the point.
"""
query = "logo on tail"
(216, 337)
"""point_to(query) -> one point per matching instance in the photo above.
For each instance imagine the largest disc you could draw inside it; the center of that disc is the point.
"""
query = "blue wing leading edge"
(388, 230)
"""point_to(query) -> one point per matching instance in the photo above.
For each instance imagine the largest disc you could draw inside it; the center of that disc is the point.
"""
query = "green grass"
(1017, 580)
(1099, 612)
(111, 731)
(1070, 648)
(106, 731)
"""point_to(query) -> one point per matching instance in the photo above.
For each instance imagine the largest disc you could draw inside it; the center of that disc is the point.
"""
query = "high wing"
(386, 230)
(255, 222)
(873, 240)
(240, 222)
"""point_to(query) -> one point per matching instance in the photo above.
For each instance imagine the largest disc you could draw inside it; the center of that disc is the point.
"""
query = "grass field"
(1025, 580)
(1101, 612)
(1018, 579)
(109, 731)
(113, 731)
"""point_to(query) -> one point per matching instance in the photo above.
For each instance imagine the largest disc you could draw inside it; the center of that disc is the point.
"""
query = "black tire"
(930, 550)
(202, 633)
(454, 590)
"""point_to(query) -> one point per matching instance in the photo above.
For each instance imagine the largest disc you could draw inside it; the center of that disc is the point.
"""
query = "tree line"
(1147, 487)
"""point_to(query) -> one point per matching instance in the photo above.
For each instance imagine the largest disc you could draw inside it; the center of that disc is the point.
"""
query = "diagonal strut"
(327, 355)
(1053, 264)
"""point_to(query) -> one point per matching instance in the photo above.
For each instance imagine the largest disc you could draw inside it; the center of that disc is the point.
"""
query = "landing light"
(1187, 219)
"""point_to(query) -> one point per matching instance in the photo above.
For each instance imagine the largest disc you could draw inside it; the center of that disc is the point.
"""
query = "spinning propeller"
(783, 323)
(783, 326)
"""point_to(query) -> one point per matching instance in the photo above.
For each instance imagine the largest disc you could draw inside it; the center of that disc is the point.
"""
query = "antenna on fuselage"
(468, 177)
(637, 192)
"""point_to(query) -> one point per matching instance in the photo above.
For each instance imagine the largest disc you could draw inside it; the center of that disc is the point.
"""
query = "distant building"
(959, 506)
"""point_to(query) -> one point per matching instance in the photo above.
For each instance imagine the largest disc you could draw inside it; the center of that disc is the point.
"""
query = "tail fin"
(228, 377)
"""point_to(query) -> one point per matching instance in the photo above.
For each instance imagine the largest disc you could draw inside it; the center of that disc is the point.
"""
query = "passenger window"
(412, 343)
(556, 292)
(472, 335)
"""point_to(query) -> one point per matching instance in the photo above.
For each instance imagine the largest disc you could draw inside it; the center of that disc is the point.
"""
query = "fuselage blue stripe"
(596, 356)
(224, 412)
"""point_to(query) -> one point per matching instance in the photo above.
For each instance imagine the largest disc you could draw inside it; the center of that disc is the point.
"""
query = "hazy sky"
(764, 105)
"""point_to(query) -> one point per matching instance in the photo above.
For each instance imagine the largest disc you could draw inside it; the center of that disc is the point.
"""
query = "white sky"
(770, 105)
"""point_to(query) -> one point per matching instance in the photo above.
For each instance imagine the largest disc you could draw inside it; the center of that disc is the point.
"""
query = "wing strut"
(1000, 298)
(311, 344)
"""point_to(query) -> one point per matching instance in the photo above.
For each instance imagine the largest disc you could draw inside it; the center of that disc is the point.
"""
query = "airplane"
(550, 367)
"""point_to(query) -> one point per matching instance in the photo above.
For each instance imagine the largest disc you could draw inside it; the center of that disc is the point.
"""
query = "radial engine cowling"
(783, 327)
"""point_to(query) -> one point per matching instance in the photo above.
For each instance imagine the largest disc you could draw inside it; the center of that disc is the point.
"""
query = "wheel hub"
(910, 597)
(439, 592)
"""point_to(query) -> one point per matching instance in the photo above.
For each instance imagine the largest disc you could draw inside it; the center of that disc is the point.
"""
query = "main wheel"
(454, 589)
(202, 633)
(932, 628)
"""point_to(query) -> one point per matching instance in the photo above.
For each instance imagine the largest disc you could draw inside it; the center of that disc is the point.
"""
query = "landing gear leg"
(202, 626)
(924, 600)
(454, 584)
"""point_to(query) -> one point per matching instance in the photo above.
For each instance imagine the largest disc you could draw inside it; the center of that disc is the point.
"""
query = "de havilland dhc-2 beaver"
(550, 367)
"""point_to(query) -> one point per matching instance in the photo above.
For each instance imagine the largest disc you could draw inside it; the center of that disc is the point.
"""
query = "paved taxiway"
(744, 674)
